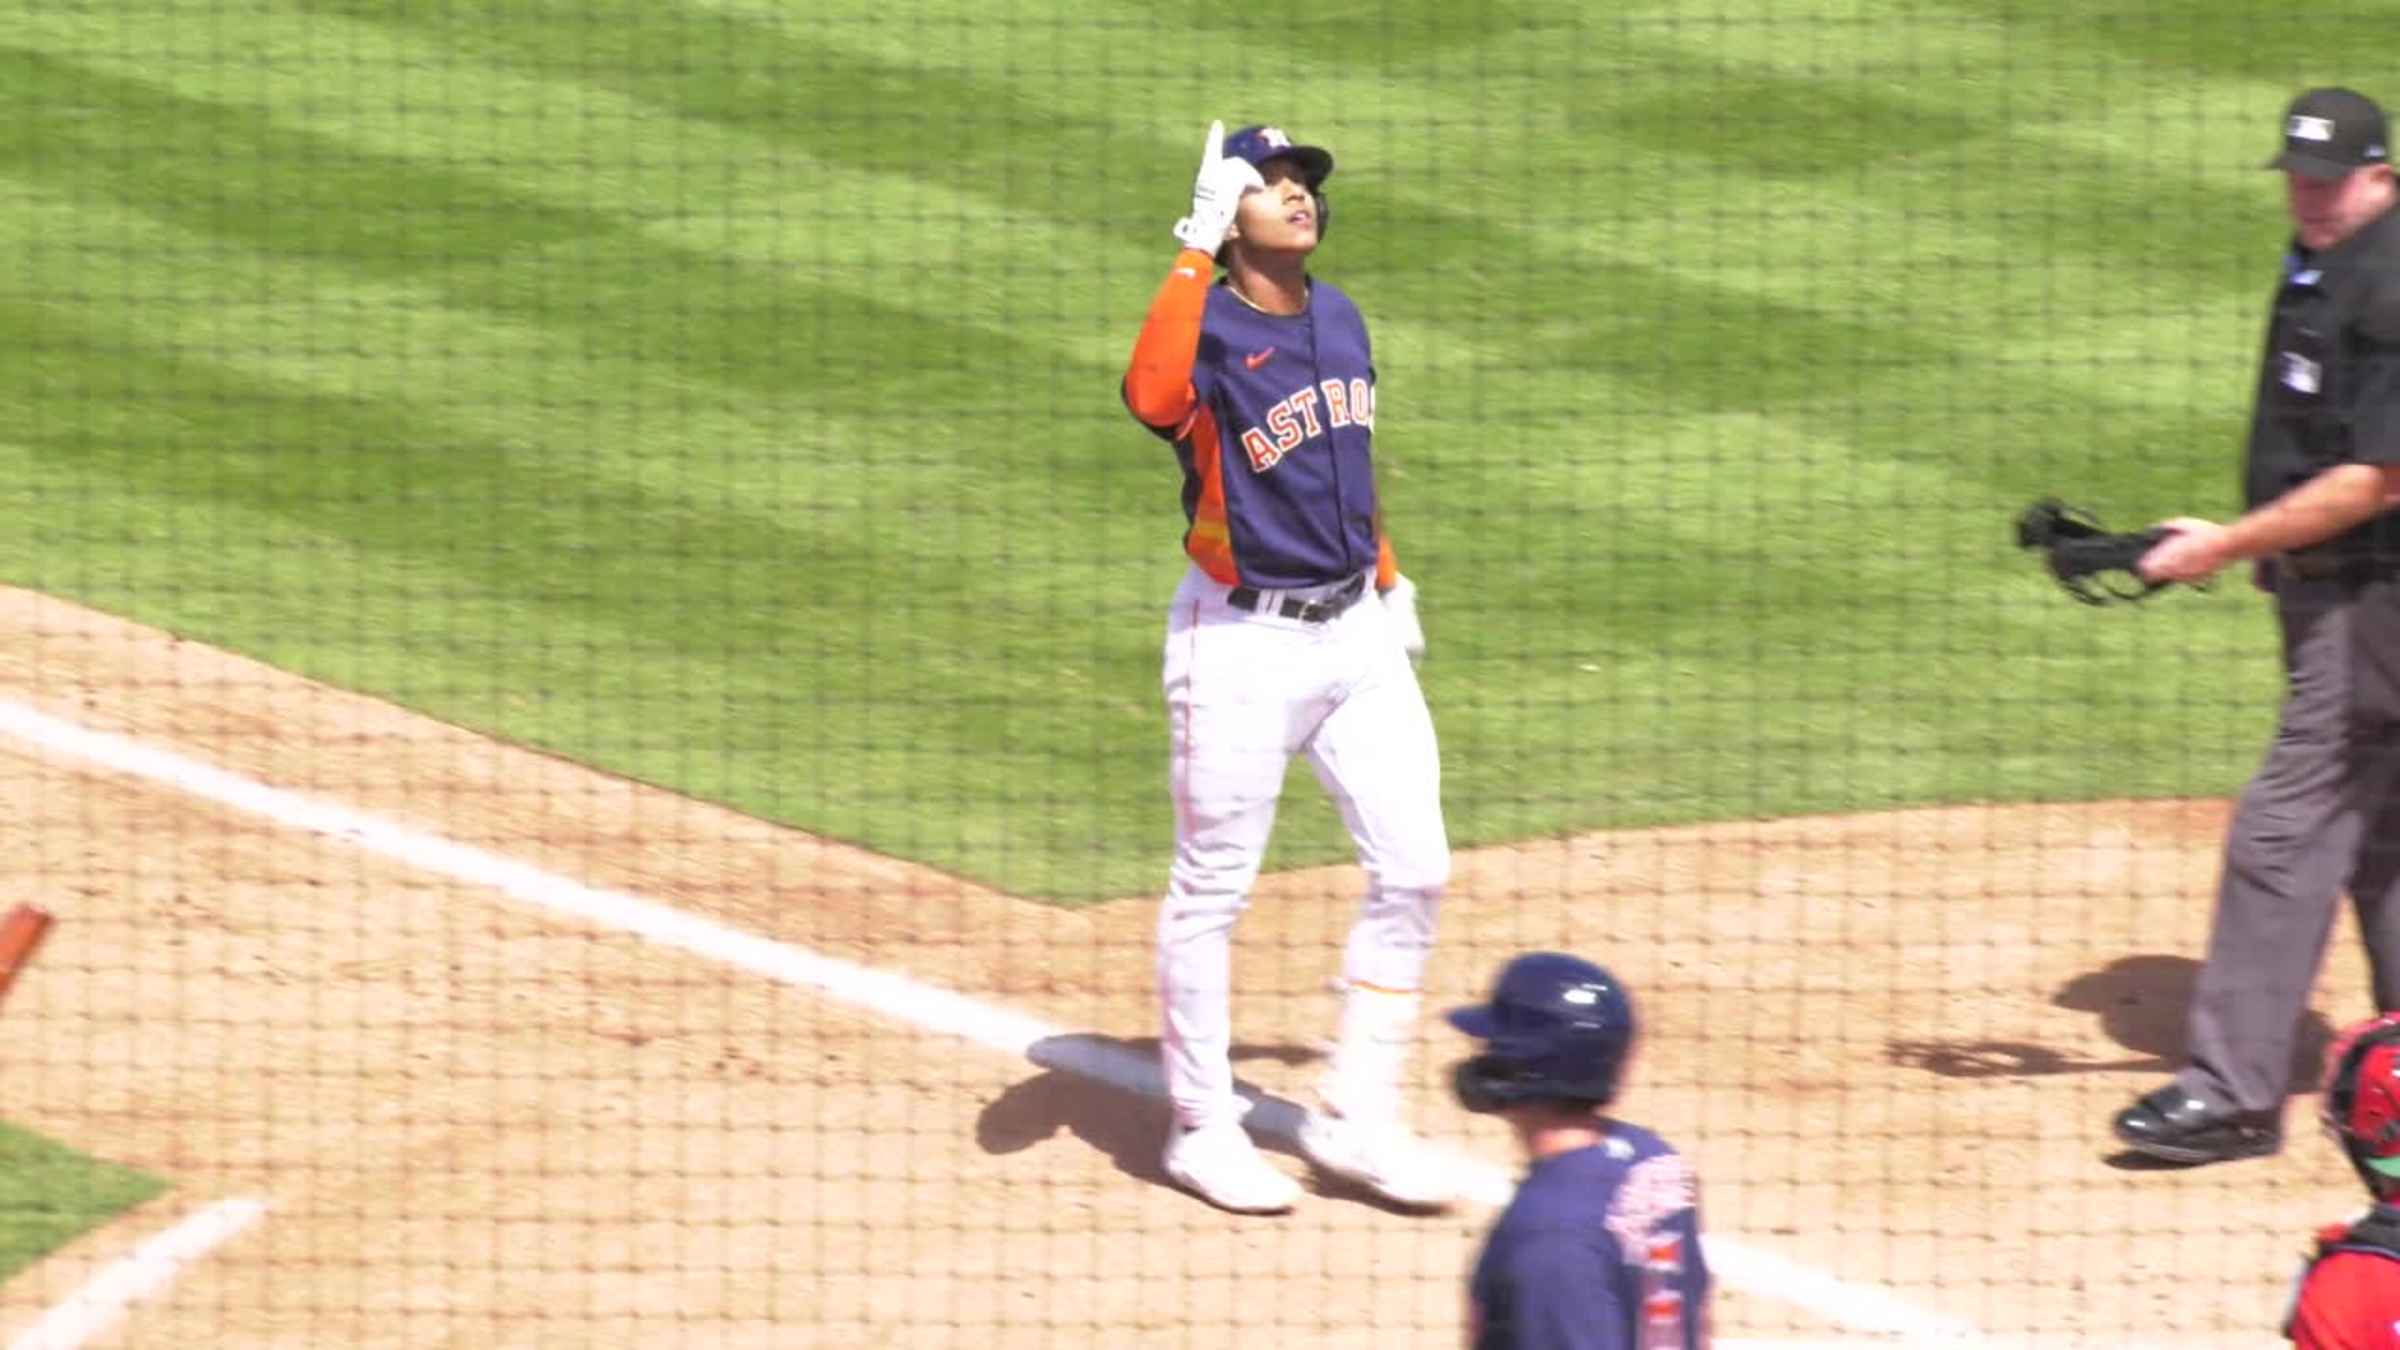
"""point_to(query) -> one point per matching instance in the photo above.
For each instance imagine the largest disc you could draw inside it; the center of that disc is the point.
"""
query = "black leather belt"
(2347, 568)
(1331, 605)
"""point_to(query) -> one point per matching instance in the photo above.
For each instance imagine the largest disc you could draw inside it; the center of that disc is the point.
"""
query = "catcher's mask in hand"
(2077, 550)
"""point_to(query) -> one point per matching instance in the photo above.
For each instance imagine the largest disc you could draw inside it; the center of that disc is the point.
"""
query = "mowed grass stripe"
(634, 629)
(238, 172)
(1643, 96)
(838, 417)
(631, 587)
(588, 151)
(720, 237)
(319, 295)
(504, 615)
(1774, 320)
(914, 115)
(328, 333)
(2204, 43)
(1863, 553)
(988, 630)
(797, 77)
(527, 568)
(553, 46)
(1895, 256)
(241, 339)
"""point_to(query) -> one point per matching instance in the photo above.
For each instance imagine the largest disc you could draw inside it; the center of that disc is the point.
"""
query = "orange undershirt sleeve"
(1158, 382)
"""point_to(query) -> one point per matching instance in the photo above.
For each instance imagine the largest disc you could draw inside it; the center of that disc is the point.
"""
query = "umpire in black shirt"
(2322, 814)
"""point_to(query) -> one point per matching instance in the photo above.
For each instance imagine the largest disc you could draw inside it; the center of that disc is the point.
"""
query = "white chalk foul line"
(1857, 1307)
(137, 1275)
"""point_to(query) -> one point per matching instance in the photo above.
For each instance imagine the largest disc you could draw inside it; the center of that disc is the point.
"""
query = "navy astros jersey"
(1600, 1250)
(1276, 444)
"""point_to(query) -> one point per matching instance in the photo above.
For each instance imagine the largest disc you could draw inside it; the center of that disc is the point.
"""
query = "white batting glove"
(1400, 606)
(1216, 191)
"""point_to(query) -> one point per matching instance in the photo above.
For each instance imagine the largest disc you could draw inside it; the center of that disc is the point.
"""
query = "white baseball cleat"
(1220, 1165)
(1381, 1156)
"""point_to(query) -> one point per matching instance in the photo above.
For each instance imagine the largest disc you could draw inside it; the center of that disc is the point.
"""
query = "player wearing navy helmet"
(1292, 633)
(1600, 1248)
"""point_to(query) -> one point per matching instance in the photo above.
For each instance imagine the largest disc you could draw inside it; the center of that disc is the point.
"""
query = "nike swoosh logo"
(1256, 359)
(1186, 272)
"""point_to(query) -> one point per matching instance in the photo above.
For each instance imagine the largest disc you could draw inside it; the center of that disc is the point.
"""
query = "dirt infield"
(1890, 1043)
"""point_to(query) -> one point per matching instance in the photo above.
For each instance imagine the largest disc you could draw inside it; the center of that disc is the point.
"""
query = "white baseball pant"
(1245, 692)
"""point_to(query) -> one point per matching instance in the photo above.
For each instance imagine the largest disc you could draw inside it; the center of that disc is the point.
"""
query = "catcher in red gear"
(2347, 1296)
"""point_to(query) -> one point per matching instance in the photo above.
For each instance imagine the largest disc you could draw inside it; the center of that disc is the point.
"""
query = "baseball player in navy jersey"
(1292, 632)
(1600, 1248)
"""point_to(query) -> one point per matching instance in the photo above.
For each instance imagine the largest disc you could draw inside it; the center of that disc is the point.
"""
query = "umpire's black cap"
(2329, 133)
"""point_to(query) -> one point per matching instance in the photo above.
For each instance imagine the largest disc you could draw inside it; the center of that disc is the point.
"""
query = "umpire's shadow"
(1107, 1091)
(2141, 1002)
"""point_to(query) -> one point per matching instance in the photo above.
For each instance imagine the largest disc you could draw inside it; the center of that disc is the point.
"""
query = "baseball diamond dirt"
(476, 1123)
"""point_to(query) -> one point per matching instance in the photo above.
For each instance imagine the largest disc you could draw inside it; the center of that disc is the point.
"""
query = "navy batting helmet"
(1260, 143)
(1557, 1028)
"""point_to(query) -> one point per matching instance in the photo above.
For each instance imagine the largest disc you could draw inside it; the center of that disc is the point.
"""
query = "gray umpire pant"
(2321, 816)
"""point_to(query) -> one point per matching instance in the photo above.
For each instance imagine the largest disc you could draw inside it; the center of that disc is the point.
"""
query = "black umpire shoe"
(2171, 1123)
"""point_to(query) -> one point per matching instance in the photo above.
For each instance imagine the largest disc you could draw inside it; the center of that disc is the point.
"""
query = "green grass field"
(723, 393)
(49, 1194)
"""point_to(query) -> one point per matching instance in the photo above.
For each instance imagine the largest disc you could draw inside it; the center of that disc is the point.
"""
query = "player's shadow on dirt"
(2140, 1000)
(1108, 1092)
